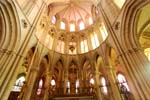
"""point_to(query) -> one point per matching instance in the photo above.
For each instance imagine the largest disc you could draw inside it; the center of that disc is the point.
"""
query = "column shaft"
(47, 85)
(97, 84)
(138, 73)
(30, 83)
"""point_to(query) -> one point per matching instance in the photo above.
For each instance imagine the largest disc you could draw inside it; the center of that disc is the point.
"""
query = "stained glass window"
(90, 21)
(104, 87)
(103, 31)
(94, 40)
(84, 46)
(19, 83)
(81, 25)
(53, 19)
(62, 25)
(39, 90)
(72, 27)
(122, 81)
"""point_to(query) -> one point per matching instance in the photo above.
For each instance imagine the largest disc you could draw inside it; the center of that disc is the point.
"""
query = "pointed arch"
(11, 35)
(129, 34)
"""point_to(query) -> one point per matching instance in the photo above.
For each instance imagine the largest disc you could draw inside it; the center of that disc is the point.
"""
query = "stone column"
(97, 84)
(6, 79)
(66, 74)
(7, 65)
(138, 68)
(65, 81)
(27, 92)
(111, 77)
(4, 59)
(80, 82)
(48, 77)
